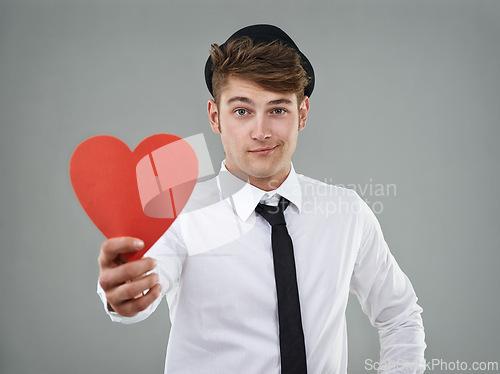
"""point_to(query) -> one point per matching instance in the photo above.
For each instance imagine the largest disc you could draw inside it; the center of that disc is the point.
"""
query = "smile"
(263, 151)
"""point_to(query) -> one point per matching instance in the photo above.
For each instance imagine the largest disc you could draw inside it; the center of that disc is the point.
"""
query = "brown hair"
(273, 66)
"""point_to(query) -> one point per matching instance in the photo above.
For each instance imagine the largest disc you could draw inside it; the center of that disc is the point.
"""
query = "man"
(237, 303)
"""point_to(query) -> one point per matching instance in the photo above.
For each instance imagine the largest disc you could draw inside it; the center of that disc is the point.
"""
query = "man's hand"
(124, 283)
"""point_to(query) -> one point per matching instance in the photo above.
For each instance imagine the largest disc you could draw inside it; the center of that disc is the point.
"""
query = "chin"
(262, 173)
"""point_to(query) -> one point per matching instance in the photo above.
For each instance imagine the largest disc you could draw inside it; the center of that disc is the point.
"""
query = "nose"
(261, 129)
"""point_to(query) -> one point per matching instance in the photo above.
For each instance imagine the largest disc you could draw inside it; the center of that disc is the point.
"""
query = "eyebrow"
(242, 99)
(246, 100)
(280, 102)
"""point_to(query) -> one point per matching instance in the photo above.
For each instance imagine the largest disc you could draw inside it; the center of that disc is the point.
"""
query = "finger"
(111, 278)
(111, 249)
(131, 307)
(131, 290)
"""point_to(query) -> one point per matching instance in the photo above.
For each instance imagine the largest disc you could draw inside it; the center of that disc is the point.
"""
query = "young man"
(257, 269)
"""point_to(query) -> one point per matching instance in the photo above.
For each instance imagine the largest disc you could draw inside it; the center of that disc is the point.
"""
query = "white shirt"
(216, 270)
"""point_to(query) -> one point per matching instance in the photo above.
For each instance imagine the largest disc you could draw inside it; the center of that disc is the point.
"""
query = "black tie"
(292, 347)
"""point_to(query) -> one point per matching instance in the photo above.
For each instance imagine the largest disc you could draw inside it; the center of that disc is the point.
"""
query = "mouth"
(263, 151)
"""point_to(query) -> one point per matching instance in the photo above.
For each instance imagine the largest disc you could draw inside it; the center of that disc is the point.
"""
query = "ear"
(213, 116)
(303, 110)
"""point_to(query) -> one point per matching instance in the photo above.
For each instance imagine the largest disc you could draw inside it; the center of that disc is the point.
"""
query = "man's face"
(258, 129)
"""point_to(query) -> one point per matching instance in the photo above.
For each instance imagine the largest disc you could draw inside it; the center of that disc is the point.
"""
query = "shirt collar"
(244, 197)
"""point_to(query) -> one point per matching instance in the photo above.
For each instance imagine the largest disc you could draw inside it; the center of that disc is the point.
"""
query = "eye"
(241, 111)
(279, 111)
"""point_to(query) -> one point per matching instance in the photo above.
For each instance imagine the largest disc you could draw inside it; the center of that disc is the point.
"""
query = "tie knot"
(273, 214)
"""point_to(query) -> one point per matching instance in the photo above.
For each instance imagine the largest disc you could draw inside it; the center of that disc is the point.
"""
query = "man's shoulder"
(329, 201)
(204, 194)
(315, 188)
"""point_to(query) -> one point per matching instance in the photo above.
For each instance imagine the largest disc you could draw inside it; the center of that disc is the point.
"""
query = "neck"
(264, 183)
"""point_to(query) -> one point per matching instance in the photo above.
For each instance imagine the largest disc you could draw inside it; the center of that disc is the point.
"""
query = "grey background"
(407, 93)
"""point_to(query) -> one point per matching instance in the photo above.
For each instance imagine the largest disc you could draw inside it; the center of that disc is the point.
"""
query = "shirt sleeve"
(169, 252)
(388, 299)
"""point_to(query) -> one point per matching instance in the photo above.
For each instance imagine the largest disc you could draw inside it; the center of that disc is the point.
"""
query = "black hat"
(265, 34)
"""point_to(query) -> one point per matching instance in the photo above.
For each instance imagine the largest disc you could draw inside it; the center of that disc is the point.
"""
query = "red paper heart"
(104, 178)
